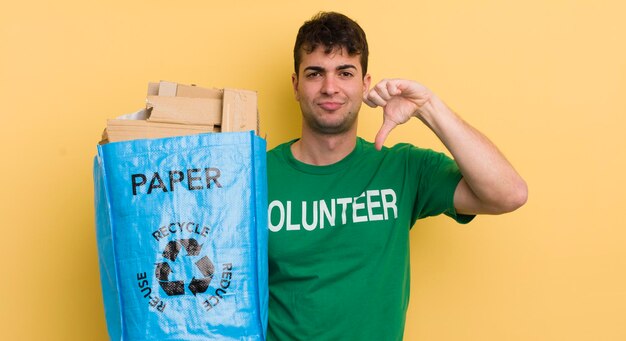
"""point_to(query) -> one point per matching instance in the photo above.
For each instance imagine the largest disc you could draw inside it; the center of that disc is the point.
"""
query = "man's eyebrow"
(321, 69)
(314, 68)
(345, 66)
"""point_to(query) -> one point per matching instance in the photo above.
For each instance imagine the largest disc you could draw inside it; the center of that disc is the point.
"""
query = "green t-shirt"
(339, 239)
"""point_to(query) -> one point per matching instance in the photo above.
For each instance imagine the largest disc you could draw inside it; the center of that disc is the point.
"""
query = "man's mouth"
(330, 106)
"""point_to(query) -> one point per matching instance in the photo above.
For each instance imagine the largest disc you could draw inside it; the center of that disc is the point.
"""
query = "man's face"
(330, 90)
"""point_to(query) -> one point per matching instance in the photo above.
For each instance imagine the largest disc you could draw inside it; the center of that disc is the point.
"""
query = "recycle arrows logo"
(171, 252)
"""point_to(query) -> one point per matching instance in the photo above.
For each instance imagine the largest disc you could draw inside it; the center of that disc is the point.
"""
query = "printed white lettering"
(313, 225)
(389, 204)
(344, 206)
(326, 213)
(290, 226)
(355, 210)
(371, 205)
(281, 216)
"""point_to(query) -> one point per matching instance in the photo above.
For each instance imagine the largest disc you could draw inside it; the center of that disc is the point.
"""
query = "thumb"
(384, 130)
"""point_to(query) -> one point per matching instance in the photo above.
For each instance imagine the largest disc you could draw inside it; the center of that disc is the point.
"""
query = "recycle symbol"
(171, 252)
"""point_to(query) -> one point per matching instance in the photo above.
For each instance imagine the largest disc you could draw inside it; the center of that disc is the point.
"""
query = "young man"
(340, 208)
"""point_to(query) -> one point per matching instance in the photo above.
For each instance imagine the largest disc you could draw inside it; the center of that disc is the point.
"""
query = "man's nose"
(329, 85)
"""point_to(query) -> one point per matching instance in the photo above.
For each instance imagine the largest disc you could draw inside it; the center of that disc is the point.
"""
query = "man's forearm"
(492, 180)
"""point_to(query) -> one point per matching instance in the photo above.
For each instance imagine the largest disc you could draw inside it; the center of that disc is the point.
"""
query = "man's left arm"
(490, 184)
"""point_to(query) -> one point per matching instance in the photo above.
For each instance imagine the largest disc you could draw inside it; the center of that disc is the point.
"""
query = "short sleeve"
(437, 177)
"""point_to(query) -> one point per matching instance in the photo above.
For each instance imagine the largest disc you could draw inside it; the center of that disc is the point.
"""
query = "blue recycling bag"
(181, 227)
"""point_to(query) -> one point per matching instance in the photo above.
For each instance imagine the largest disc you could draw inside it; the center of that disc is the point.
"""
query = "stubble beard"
(319, 126)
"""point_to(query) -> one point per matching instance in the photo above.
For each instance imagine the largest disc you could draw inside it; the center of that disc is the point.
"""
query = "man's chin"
(332, 125)
(330, 129)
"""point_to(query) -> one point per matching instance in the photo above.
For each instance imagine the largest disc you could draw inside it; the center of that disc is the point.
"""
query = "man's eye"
(346, 74)
(313, 75)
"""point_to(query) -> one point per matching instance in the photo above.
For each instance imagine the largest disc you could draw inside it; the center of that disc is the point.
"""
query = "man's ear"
(367, 80)
(294, 82)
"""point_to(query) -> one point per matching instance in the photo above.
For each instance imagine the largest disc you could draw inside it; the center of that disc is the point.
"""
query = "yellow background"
(546, 81)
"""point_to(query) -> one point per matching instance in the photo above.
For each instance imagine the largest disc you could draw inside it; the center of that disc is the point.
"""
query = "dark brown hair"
(332, 31)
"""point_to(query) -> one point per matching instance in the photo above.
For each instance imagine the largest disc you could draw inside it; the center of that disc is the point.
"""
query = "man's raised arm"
(490, 184)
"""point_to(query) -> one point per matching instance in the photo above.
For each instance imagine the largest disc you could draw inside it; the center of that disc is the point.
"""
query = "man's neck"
(323, 150)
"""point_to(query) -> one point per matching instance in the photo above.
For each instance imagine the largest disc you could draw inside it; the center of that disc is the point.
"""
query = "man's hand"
(490, 184)
(400, 99)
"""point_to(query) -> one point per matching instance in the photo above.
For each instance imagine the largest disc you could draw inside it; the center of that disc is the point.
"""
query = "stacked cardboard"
(174, 109)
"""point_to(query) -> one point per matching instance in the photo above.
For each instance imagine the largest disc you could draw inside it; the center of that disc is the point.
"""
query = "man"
(340, 208)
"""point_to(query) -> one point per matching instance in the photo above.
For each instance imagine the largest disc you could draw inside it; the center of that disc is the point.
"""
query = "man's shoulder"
(278, 149)
(279, 154)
